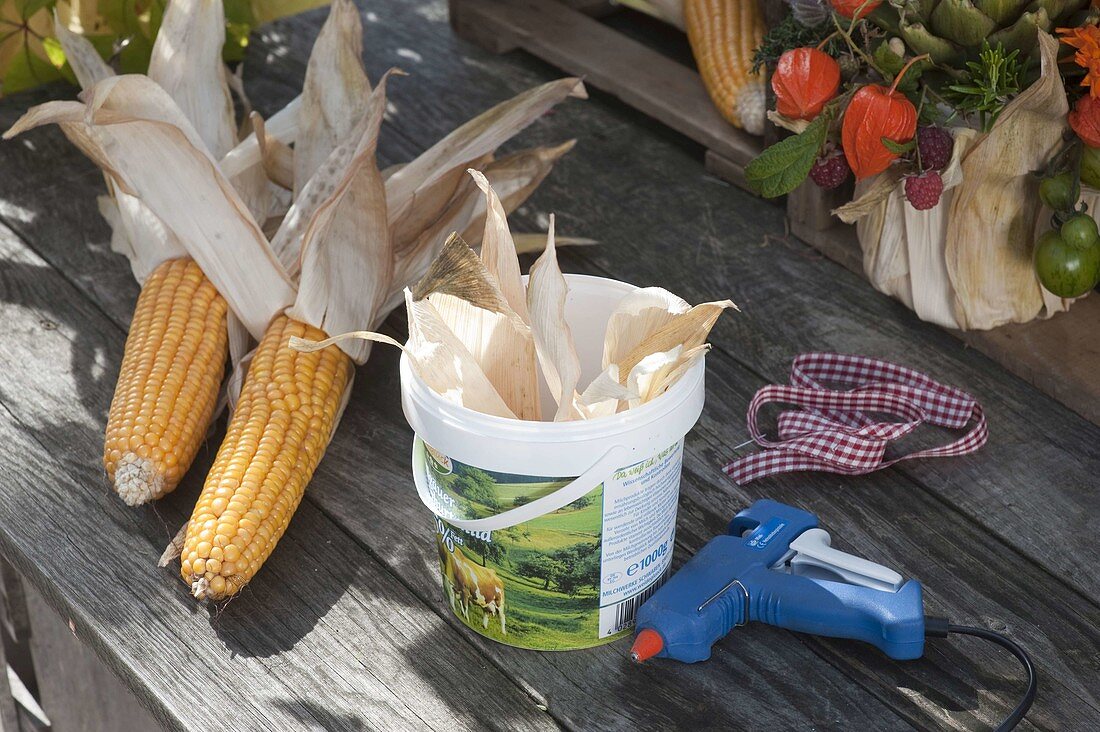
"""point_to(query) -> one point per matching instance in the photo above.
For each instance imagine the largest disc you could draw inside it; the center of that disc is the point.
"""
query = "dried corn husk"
(134, 131)
(903, 249)
(687, 330)
(186, 62)
(546, 295)
(513, 177)
(636, 318)
(603, 395)
(535, 243)
(498, 251)
(281, 126)
(967, 262)
(468, 299)
(276, 157)
(992, 217)
(347, 262)
(476, 138)
(437, 356)
(674, 364)
(87, 65)
(334, 92)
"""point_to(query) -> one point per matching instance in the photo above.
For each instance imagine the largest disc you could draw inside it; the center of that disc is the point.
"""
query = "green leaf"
(54, 53)
(28, 68)
(783, 166)
(898, 148)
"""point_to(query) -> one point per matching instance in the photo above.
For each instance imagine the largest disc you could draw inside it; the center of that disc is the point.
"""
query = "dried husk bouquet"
(967, 262)
(351, 240)
(482, 337)
(949, 114)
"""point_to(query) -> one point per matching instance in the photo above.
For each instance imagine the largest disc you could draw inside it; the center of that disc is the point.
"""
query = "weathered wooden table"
(346, 628)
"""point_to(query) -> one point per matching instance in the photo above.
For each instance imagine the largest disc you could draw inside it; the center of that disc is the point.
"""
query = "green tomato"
(1090, 166)
(1064, 270)
(1060, 192)
(1080, 231)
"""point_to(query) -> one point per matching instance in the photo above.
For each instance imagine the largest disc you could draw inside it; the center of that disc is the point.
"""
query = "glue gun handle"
(892, 621)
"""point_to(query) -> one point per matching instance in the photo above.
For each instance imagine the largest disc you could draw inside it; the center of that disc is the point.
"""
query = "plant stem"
(897, 79)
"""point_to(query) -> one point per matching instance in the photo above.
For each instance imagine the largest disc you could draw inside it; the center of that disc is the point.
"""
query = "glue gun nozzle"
(647, 644)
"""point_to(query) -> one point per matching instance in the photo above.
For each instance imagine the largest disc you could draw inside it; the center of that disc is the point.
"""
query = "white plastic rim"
(574, 448)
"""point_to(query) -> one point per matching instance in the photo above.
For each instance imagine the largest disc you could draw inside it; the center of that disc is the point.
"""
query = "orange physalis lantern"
(874, 113)
(804, 81)
(849, 8)
(1085, 120)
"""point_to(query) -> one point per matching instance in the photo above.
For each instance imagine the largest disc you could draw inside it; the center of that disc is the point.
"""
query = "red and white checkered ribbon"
(832, 431)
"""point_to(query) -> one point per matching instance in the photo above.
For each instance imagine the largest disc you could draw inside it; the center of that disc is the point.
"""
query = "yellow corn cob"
(278, 433)
(168, 383)
(723, 36)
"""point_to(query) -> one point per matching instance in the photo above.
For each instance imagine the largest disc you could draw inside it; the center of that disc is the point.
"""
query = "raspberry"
(934, 145)
(831, 171)
(924, 190)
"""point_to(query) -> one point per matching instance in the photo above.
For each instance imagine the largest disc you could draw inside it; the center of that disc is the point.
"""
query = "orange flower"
(1086, 39)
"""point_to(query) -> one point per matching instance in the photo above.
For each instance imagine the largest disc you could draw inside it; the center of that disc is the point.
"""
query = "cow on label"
(466, 581)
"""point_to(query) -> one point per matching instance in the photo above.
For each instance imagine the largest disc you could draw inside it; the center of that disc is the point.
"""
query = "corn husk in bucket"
(552, 527)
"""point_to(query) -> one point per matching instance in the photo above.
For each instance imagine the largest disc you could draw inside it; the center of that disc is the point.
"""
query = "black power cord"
(941, 628)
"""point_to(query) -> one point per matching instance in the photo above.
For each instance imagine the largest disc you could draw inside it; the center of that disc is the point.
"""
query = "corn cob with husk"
(352, 240)
(176, 348)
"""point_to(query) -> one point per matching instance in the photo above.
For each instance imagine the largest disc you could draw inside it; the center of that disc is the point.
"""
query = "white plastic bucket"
(551, 534)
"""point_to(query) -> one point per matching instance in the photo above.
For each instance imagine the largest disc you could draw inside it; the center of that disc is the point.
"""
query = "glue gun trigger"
(815, 558)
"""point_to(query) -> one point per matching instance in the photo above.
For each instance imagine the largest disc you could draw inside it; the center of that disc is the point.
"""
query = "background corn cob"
(276, 437)
(723, 36)
(168, 382)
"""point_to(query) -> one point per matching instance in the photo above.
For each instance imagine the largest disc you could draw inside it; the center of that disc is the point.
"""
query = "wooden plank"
(1058, 356)
(291, 652)
(392, 525)
(77, 692)
(646, 80)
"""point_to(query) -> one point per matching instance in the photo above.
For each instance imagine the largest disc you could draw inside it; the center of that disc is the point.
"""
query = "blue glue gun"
(776, 566)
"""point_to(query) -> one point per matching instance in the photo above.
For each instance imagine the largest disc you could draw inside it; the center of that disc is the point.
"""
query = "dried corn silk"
(546, 294)
(992, 216)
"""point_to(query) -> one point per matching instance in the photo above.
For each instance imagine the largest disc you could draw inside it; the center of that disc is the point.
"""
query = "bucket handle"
(612, 460)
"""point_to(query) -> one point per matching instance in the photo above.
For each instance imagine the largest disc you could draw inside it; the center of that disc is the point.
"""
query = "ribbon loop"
(836, 429)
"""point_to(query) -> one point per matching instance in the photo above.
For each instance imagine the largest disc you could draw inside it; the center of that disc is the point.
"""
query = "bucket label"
(573, 578)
